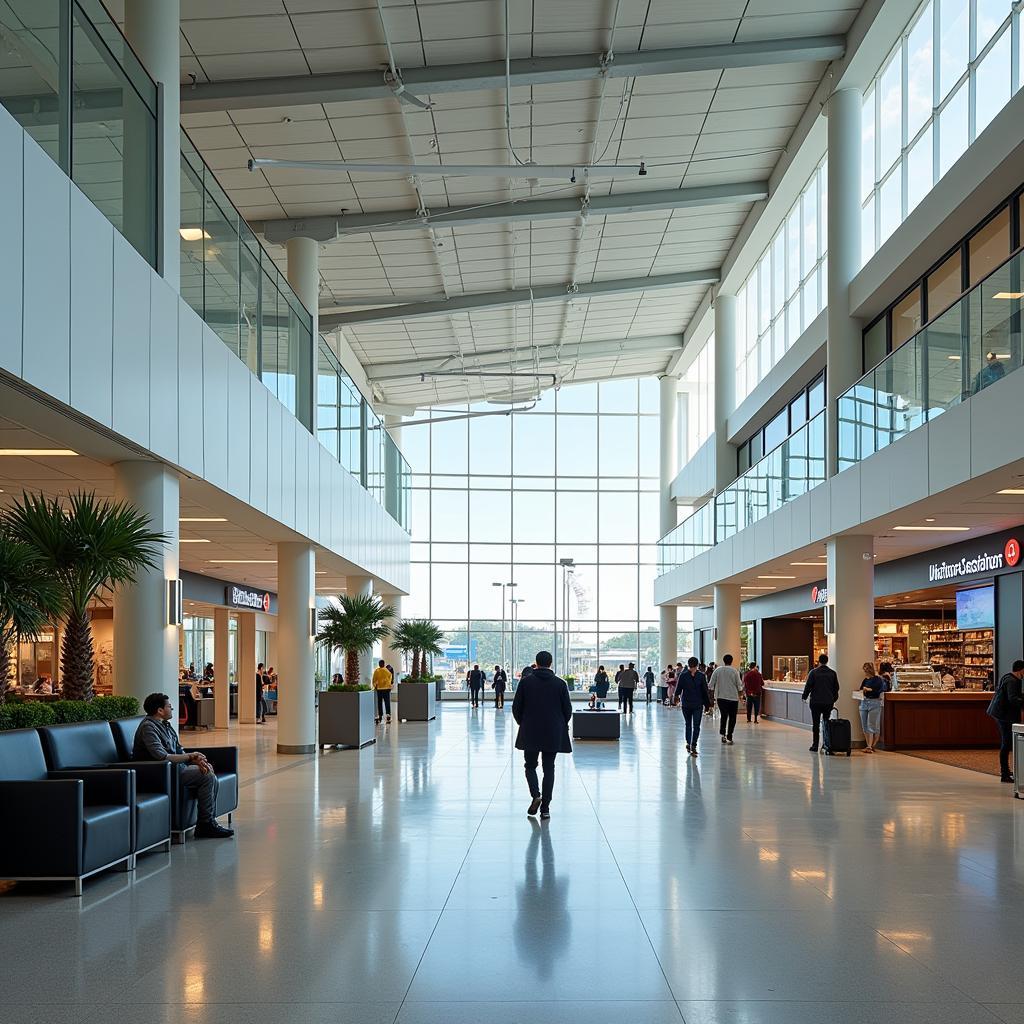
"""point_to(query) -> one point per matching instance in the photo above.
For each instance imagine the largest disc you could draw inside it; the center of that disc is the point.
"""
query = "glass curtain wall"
(698, 385)
(503, 499)
(954, 68)
(73, 83)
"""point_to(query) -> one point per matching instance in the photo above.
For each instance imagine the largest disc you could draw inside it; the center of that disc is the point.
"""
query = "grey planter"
(346, 719)
(438, 687)
(417, 702)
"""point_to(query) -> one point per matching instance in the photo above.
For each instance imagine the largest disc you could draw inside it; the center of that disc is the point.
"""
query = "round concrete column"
(388, 653)
(727, 621)
(145, 641)
(296, 598)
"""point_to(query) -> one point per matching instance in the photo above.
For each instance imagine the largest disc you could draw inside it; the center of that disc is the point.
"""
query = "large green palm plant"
(89, 546)
(29, 598)
(421, 637)
(354, 625)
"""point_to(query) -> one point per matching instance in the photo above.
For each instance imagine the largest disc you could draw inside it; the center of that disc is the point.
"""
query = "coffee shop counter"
(951, 719)
(781, 702)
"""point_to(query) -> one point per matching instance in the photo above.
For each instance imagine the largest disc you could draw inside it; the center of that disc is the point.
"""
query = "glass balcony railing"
(795, 467)
(975, 343)
(696, 533)
(72, 82)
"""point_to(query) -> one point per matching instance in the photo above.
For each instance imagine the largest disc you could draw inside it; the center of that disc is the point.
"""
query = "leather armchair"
(60, 825)
(184, 807)
(88, 745)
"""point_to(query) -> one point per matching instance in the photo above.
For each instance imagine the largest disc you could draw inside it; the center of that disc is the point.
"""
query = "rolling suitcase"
(837, 735)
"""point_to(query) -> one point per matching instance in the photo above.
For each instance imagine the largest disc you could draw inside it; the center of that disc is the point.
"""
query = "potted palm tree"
(89, 546)
(353, 626)
(29, 599)
(421, 638)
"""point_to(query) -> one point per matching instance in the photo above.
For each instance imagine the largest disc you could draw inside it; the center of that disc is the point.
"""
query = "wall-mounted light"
(312, 622)
(174, 616)
(830, 620)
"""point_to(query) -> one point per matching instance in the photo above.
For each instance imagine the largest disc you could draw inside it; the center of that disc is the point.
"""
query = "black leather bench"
(60, 825)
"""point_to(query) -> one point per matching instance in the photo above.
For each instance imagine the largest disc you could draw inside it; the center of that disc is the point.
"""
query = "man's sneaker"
(211, 830)
(545, 814)
(1006, 778)
(534, 806)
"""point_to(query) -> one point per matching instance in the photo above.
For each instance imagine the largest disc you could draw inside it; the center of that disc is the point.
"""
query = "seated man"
(156, 740)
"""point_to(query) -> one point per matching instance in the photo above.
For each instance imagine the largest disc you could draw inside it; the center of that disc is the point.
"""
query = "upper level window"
(989, 246)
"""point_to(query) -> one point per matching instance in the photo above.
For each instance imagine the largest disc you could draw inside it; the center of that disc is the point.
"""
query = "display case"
(790, 668)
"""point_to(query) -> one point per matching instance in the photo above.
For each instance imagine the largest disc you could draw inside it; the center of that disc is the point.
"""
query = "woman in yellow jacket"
(382, 682)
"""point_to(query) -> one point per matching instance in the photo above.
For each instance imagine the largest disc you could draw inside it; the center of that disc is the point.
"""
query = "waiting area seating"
(75, 802)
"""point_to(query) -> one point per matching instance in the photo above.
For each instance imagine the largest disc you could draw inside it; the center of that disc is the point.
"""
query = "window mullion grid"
(972, 62)
(904, 125)
(936, 65)
(877, 164)
(1015, 48)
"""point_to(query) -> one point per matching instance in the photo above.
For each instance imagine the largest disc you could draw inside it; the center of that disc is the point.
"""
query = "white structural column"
(221, 683)
(153, 27)
(727, 621)
(245, 637)
(667, 469)
(845, 344)
(145, 640)
(725, 389)
(851, 595)
(304, 273)
(388, 653)
(296, 599)
(355, 586)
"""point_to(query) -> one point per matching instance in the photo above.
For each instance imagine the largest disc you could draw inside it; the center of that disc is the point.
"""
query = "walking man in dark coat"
(542, 710)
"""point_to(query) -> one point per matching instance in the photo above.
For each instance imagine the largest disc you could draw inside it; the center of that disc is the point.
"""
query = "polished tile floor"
(404, 883)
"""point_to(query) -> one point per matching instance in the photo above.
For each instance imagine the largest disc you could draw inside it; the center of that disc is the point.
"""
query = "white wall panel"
(997, 424)
(239, 435)
(163, 370)
(288, 427)
(12, 198)
(301, 464)
(191, 414)
(949, 448)
(215, 404)
(324, 492)
(46, 334)
(258, 400)
(274, 415)
(132, 279)
(92, 310)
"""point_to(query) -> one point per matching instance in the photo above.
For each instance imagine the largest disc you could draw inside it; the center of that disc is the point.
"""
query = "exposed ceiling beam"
(501, 359)
(255, 93)
(328, 228)
(478, 301)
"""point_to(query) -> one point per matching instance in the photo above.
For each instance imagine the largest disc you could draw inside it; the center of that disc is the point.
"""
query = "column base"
(296, 748)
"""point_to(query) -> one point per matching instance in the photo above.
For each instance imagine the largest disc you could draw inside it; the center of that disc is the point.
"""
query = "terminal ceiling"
(248, 67)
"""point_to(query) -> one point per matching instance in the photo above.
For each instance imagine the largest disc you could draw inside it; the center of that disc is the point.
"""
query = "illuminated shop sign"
(244, 597)
(819, 595)
(985, 562)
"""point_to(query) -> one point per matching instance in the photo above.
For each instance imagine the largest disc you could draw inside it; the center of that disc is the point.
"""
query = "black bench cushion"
(123, 731)
(106, 835)
(78, 745)
(21, 756)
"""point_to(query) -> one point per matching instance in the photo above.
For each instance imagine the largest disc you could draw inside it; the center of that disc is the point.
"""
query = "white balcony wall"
(87, 322)
(696, 480)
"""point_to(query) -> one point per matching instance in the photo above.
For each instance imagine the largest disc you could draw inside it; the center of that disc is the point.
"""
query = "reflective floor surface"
(404, 883)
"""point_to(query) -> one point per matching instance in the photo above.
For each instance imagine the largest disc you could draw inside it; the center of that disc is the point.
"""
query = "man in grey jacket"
(156, 740)
(726, 687)
(629, 680)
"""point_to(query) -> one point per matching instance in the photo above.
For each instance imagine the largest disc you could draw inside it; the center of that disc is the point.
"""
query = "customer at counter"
(871, 688)
(821, 691)
(753, 687)
(1005, 708)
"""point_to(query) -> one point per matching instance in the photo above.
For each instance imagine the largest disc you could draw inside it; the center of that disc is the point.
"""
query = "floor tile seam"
(455, 881)
(252, 780)
(632, 900)
(930, 970)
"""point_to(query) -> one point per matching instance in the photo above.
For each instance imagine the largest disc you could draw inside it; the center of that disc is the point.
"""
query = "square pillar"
(296, 599)
(727, 621)
(246, 667)
(221, 685)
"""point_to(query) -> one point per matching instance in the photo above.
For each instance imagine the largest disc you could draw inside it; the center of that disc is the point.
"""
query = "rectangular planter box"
(417, 702)
(595, 725)
(346, 719)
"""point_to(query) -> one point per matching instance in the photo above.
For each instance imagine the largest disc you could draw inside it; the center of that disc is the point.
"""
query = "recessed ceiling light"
(201, 519)
(776, 577)
(193, 540)
(243, 561)
(1008, 295)
(817, 565)
(933, 529)
(930, 520)
(758, 588)
(193, 234)
(28, 452)
(321, 572)
(1011, 490)
(953, 359)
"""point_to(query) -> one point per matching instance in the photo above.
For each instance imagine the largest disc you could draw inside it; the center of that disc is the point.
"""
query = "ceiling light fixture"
(193, 540)
(1008, 295)
(776, 577)
(1011, 490)
(953, 359)
(932, 529)
(193, 234)
(816, 565)
(201, 519)
(35, 452)
(557, 172)
(243, 561)
(758, 588)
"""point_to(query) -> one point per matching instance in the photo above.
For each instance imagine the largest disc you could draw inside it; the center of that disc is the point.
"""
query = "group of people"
(476, 680)
(266, 679)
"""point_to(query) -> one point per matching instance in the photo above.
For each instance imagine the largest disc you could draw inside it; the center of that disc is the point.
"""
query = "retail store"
(948, 622)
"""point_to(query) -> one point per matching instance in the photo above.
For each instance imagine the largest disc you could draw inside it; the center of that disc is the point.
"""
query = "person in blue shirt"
(694, 700)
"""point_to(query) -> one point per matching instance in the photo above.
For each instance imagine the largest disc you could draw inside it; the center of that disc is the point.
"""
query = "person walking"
(872, 687)
(618, 691)
(1005, 708)
(629, 680)
(499, 682)
(726, 687)
(601, 685)
(649, 682)
(476, 683)
(670, 685)
(262, 680)
(382, 682)
(753, 687)
(694, 699)
(542, 710)
(821, 691)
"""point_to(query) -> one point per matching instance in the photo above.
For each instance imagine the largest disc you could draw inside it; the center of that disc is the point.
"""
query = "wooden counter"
(932, 718)
(781, 702)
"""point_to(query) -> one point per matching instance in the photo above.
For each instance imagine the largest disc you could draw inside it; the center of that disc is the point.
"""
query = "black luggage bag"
(837, 738)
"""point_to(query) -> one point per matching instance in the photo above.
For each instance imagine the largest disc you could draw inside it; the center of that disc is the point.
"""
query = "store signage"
(244, 597)
(819, 595)
(985, 562)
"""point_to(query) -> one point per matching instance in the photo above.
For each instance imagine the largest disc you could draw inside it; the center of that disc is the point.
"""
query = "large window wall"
(786, 289)
(698, 387)
(954, 68)
(502, 499)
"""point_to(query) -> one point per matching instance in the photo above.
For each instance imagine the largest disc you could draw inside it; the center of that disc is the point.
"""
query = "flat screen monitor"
(976, 608)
